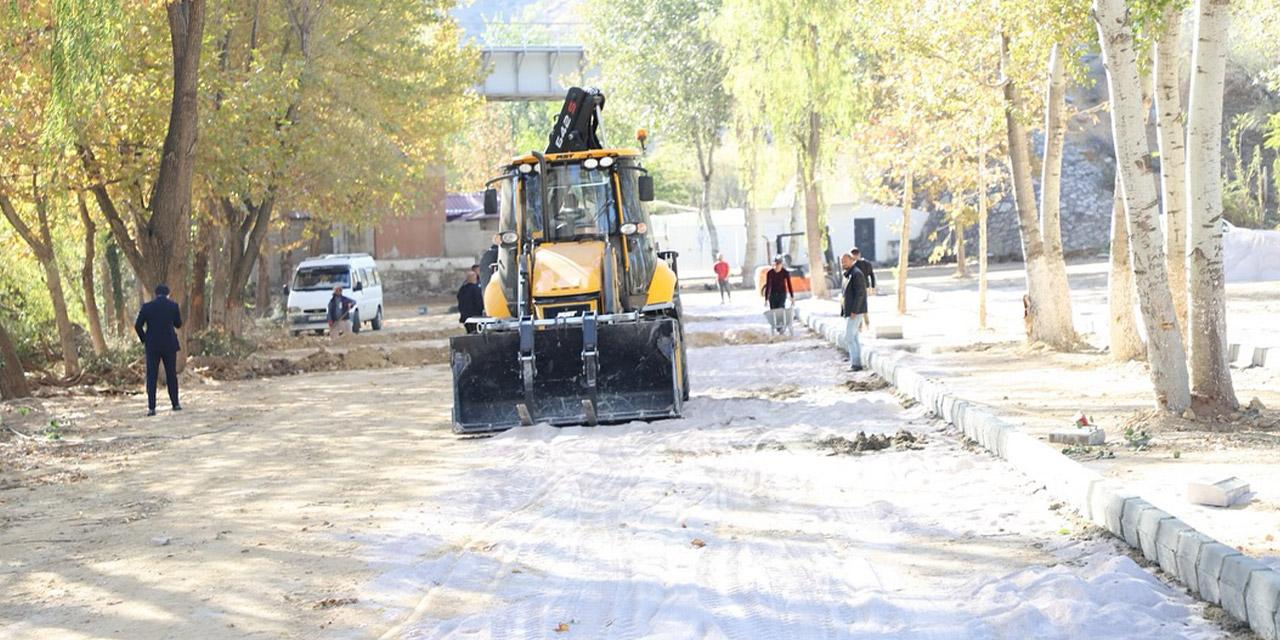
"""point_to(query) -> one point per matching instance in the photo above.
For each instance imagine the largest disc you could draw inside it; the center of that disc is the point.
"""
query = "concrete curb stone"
(1217, 573)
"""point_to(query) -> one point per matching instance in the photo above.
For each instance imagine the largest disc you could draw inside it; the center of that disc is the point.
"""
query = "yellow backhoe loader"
(582, 315)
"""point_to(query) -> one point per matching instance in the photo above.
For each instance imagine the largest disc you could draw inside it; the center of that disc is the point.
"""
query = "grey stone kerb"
(1215, 572)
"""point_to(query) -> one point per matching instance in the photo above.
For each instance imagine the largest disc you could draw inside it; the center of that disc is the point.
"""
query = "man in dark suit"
(157, 326)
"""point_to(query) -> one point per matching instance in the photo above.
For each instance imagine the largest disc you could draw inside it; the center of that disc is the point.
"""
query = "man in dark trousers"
(470, 300)
(777, 285)
(339, 313)
(853, 307)
(864, 266)
(157, 326)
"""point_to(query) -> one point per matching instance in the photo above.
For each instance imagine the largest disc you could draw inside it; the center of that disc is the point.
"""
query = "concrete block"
(1233, 352)
(1079, 437)
(1260, 356)
(1148, 525)
(1262, 602)
(1236, 571)
(1106, 505)
(1220, 492)
(888, 331)
(1133, 509)
(1187, 557)
(1209, 570)
(1167, 534)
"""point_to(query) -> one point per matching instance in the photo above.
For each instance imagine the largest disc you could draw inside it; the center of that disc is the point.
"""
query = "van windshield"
(321, 278)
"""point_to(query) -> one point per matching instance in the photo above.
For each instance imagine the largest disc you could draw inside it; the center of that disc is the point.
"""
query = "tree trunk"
(1211, 387)
(165, 245)
(1050, 323)
(1173, 157)
(705, 169)
(796, 224)
(982, 238)
(115, 277)
(1126, 344)
(750, 172)
(198, 311)
(1059, 292)
(86, 279)
(813, 215)
(13, 380)
(1165, 353)
(962, 268)
(262, 297)
(66, 335)
(40, 240)
(108, 302)
(904, 242)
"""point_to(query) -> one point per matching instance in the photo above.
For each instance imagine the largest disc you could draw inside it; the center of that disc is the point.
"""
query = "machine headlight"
(295, 309)
(606, 162)
(509, 237)
(628, 228)
(526, 168)
(590, 163)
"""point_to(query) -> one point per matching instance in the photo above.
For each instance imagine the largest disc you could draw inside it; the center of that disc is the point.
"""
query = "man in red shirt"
(722, 277)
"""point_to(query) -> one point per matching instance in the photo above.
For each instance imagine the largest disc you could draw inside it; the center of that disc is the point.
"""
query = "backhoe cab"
(582, 316)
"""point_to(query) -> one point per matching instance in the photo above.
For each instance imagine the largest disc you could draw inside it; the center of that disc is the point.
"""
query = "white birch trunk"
(1055, 128)
(1165, 353)
(982, 238)
(1173, 157)
(1050, 322)
(904, 243)
(1211, 384)
(1126, 344)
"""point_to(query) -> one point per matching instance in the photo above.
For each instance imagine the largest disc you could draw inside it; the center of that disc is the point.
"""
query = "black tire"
(355, 322)
(376, 324)
(318, 332)
(295, 333)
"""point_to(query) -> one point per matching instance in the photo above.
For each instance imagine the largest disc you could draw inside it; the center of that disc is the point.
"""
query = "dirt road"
(339, 505)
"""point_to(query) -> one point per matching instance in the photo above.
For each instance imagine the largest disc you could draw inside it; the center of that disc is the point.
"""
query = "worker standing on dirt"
(339, 313)
(867, 270)
(156, 326)
(777, 286)
(722, 278)
(470, 300)
(853, 307)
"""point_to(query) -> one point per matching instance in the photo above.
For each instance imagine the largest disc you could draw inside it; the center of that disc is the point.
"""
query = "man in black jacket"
(865, 267)
(339, 313)
(470, 300)
(156, 326)
(853, 308)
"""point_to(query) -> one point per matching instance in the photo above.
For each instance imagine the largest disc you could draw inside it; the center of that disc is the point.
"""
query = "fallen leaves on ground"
(329, 603)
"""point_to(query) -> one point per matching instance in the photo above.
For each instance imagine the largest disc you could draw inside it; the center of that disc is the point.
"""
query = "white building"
(873, 228)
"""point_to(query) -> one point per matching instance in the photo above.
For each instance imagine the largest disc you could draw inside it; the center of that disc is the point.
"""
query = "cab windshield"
(321, 278)
(580, 202)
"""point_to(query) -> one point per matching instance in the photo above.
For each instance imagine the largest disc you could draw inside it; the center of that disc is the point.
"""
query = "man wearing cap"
(156, 326)
(777, 285)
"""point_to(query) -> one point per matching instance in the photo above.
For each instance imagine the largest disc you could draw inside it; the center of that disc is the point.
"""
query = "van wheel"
(295, 333)
(355, 322)
(377, 321)
(318, 332)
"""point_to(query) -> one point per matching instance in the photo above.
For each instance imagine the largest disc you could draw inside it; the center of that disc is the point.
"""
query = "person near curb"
(777, 286)
(339, 313)
(470, 300)
(722, 278)
(853, 308)
(867, 270)
(487, 261)
(156, 326)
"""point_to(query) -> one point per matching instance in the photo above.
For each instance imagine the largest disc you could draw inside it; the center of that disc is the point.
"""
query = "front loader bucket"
(636, 376)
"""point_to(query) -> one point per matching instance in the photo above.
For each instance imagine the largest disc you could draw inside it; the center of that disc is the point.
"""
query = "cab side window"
(640, 252)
